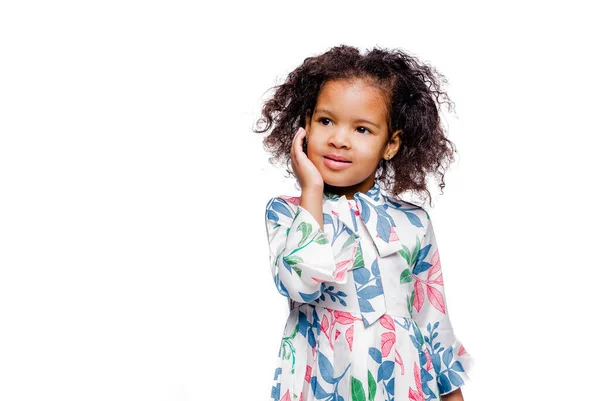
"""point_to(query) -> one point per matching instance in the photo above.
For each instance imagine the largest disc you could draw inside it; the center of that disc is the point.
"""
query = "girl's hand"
(308, 175)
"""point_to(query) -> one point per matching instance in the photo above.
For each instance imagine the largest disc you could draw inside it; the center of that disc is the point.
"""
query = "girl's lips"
(335, 165)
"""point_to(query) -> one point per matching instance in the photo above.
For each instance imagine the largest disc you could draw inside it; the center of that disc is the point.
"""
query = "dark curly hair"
(413, 91)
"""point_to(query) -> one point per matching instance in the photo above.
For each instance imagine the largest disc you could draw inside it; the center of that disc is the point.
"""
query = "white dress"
(368, 318)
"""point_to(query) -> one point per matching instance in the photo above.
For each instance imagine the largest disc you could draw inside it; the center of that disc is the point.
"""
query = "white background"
(133, 255)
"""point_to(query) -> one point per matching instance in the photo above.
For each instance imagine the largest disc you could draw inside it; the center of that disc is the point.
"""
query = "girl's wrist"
(311, 200)
(316, 192)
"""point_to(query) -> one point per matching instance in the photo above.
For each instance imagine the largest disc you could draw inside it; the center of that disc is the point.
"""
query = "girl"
(361, 269)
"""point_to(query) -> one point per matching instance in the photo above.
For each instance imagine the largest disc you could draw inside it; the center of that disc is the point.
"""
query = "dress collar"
(374, 193)
(379, 214)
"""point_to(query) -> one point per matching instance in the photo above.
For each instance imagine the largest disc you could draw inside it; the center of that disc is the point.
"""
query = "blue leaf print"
(365, 306)
(414, 220)
(271, 215)
(428, 392)
(423, 252)
(444, 383)
(422, 358)
(378, 282)
(375, 354)
(457, 366)
(286, 264)
(437, 363)
(425, 375)
(326, 368)
(317, 389)
(370, 292)
(447, 356)
(284, 291)
(327, 219)
(375, 268)
(280, 286)
(382, 211)
(385, 370)
(311, 339)
(365, 212)
(415, 342)
(455, 378)
(383, 228)
(279, 206)
(316, 322)
(421, 266)
(361, 275)
(390, 386)
(310, 297)
(275, 391)
(302, 323)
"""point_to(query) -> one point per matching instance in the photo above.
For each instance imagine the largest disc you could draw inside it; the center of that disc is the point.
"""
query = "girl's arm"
(302, 257)
(456, 395)
(311, 201)
(450, 362)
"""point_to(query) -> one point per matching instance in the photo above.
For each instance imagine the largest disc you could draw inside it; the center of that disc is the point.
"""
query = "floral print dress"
(368, 318)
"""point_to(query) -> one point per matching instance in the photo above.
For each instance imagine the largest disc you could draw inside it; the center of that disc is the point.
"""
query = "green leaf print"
(292, 259)
(372, 387)
(409, 303)
(287, 348)
(418, 334)
(297, 270)
(358, 260)
(405, 253)
(406, 276)
(415, 253)
(306, 230)
(351, 239)
(321, 239)
(358, 391)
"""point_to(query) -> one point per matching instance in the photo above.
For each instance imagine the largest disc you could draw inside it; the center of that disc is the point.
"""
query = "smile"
(336, 164)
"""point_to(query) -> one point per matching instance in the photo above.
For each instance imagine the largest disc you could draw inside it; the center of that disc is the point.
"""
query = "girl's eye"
(325, 119)
(322, 119)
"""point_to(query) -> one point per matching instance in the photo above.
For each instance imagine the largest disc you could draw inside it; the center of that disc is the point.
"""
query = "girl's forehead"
(358, 86)
(352, 96)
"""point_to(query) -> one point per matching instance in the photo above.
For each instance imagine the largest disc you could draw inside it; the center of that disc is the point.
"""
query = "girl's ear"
(394, 143)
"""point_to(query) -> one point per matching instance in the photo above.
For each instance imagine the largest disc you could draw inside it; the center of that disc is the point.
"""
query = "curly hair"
(413, 94)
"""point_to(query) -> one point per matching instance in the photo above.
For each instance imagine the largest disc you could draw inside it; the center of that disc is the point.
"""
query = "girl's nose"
(340, 138)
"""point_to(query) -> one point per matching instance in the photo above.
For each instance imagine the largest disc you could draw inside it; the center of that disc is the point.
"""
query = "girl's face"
(349, 121)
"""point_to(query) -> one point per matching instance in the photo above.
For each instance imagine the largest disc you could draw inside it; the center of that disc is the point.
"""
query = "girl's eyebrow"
(360, 120)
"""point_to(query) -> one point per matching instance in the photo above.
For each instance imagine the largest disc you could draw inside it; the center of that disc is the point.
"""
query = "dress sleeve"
(450, 360)
(302, 256)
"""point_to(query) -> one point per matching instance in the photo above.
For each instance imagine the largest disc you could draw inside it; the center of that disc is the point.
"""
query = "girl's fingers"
(297, 142)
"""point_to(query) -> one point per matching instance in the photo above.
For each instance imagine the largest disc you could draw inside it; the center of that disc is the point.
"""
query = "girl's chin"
(336, 182)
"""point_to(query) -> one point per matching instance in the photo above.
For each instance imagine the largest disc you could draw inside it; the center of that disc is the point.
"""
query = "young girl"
(361, 269)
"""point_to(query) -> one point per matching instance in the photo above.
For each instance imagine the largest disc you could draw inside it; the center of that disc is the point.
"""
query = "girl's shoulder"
(282, 207)
(277, 202)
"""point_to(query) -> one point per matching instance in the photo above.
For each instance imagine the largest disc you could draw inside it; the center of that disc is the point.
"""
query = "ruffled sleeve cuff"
(452, 366)
(322, 256)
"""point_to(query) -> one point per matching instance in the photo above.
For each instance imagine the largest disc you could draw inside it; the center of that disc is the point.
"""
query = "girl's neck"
(349, 192)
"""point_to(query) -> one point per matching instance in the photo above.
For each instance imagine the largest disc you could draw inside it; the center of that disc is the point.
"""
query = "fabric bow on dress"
(379, 220)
